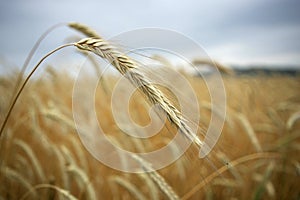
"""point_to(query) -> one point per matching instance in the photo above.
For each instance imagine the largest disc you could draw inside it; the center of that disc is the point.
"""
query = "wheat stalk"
(87, 31)
(222, 68)
(249, 130)
(12, 174)
(61, 166)
(126, 66)
(157, 178)
(83, 180)
(265, 183)
(238, 161)
(81, 177)
(80, 153)
(56, 115)
(227, 182)
(19, 91)
(124, 161)
(77, 26)
(179, 163)
(232, 170)
(31, 53)
(128, 186)
(269, 186)
(292, 120)
(67, 155)
(61, 191)
(273, 115)
(151, 186)
(31, 155)
(23, 163)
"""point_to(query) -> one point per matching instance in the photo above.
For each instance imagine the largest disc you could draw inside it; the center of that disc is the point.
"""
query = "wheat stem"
(35, 162)
(12, 174)
(31, 53)
(25, 82)
(157, 178)
(65, 193)
(128, 186)
(223, 169)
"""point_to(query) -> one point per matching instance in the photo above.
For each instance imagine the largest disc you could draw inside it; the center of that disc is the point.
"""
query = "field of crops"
(256, 156)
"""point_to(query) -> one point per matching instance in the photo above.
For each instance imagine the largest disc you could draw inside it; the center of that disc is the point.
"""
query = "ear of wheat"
(128, 67)
(14, 175)
(87, 31)
(157, 178)
(60, 191)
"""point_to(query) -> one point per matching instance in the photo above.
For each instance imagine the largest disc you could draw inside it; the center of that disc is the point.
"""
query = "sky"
(232, 32)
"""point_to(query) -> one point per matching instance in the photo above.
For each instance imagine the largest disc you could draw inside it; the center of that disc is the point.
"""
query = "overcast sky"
(234, 32)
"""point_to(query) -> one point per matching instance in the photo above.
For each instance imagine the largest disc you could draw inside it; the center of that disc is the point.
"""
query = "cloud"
(230, 30)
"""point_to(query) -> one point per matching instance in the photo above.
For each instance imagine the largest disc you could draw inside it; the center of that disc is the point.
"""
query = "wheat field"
(256, 156)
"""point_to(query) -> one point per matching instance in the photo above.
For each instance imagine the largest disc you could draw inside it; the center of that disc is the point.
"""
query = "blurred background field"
(256, 157)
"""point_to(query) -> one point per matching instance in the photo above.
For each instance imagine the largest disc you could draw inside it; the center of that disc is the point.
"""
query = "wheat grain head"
(128, 67)
(14, 175)
(128, 186)
(34, 160)
(87, 31)
(157, 178)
